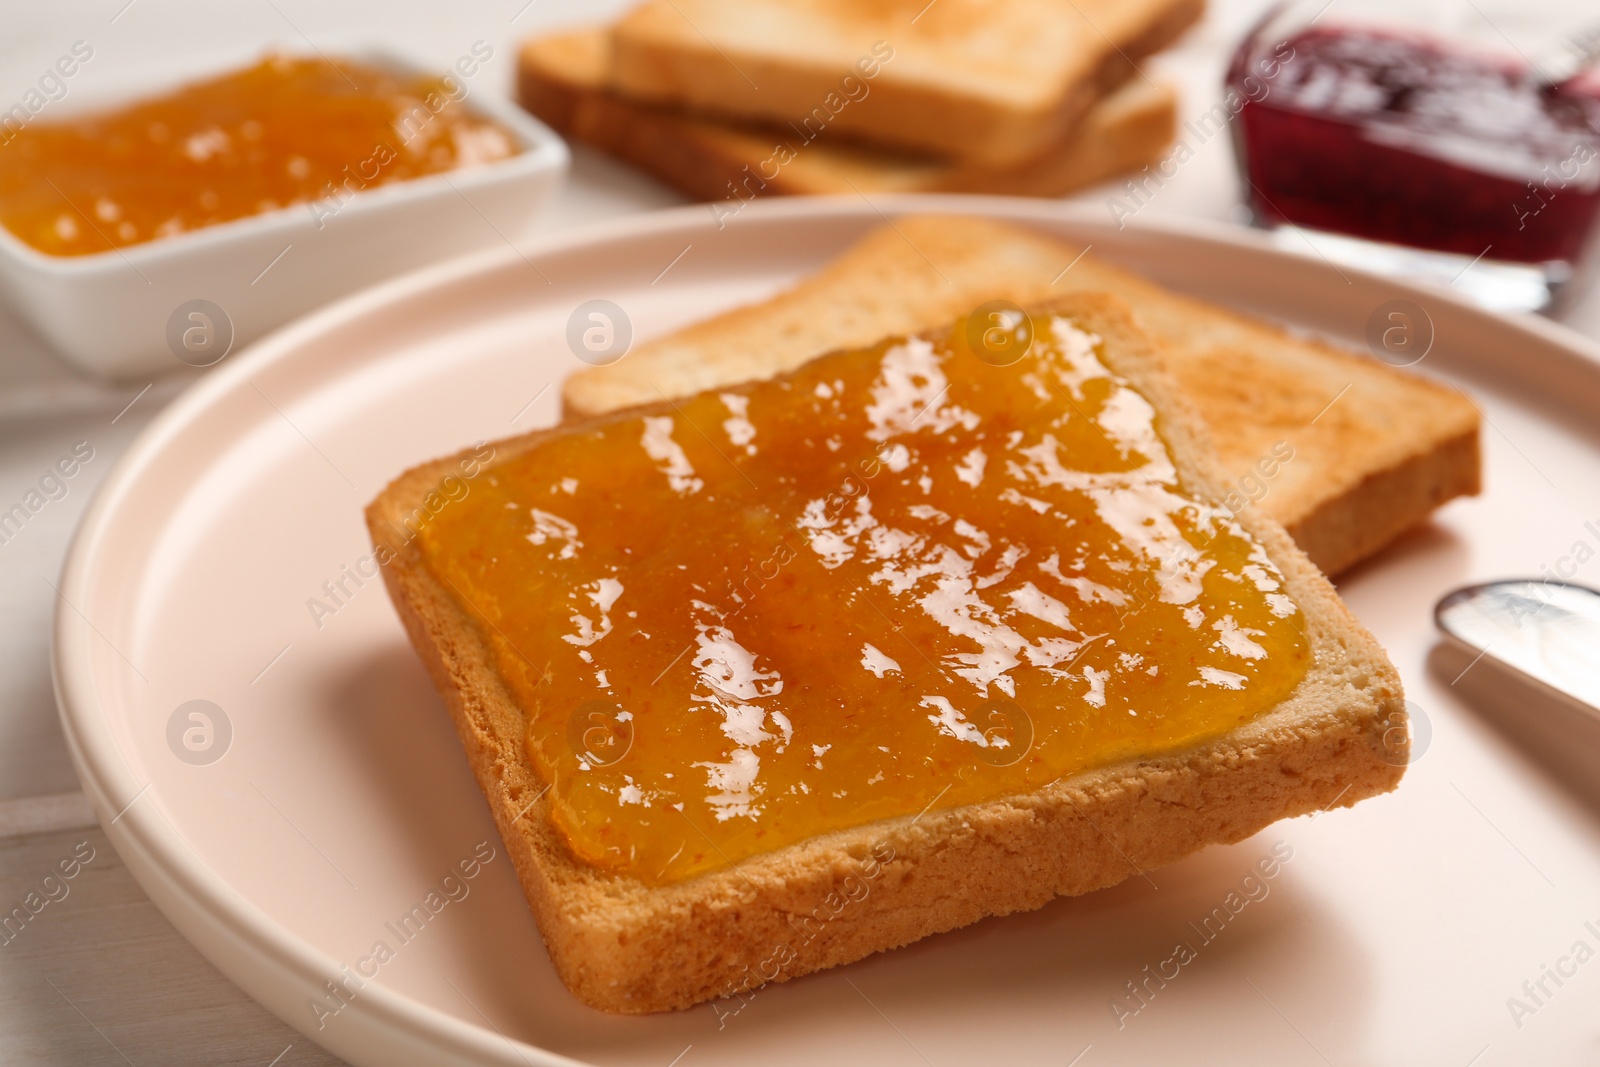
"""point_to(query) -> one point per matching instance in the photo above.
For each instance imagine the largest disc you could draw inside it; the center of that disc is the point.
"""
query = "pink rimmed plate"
(284, 782)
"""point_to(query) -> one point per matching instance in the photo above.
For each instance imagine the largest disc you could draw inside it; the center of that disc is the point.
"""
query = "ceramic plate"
(284, 782)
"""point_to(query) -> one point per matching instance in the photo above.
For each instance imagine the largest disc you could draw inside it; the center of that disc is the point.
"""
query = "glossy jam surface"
(286, 131)
(1414, 141)
(893, 580)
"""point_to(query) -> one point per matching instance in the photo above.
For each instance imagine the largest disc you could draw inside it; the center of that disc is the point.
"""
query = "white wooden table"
(98, 975)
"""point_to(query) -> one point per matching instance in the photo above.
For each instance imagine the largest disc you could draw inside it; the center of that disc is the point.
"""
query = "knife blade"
(1547, 632)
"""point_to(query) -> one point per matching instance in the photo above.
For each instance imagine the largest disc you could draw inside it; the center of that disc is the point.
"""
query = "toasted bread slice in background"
(993, 82)
(564, 79)
(1375, 449)
(621, 945)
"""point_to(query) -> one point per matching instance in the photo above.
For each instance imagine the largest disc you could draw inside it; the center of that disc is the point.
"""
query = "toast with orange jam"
(774, 676)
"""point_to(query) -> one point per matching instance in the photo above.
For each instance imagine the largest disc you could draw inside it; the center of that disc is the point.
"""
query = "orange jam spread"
(286, 131)
(893, 580)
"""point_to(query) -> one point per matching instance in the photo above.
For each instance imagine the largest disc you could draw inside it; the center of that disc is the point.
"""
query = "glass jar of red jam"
(1470, 156)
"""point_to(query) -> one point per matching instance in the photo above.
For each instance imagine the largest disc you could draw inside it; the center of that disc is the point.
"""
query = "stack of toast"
(1322, 456)
(730, 99)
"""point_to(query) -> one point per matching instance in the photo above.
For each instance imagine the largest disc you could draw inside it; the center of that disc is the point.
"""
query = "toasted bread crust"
(623, 946)
(563, 78)
(1375, 449)
(1343, 530)
(945, 96)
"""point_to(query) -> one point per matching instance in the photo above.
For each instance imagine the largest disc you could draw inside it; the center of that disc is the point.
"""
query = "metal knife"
(1548, 632)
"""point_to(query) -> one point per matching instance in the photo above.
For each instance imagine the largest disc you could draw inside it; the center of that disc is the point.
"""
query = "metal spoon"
(1547, 632)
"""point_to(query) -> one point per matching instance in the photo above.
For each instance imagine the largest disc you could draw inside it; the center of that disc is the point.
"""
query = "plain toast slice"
(1373, 450)
(626, 946)
(994, 83)
(564, 79)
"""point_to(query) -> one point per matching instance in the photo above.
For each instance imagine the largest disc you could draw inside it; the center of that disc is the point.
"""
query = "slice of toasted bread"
(563, 78)
(1374, 450)
(979, 80)
(623, 945)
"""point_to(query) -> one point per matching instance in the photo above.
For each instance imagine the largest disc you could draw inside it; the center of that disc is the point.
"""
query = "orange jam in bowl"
(894, 580)
(287, 131)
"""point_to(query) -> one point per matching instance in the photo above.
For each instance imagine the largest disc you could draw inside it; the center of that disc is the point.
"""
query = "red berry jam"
(1414, 141)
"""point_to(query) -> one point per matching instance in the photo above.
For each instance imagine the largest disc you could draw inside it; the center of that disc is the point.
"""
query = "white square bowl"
(116, 313)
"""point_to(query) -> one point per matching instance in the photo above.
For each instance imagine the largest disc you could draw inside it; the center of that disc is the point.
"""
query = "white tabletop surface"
(99, 976)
